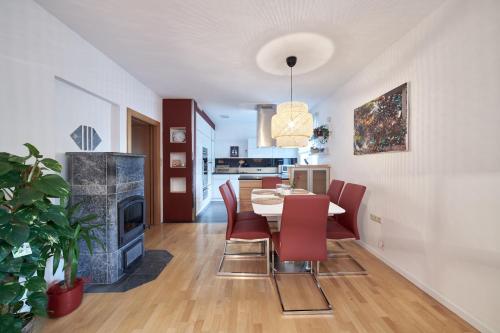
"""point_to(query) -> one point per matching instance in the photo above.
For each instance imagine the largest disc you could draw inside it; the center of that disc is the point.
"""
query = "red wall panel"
(178, 207)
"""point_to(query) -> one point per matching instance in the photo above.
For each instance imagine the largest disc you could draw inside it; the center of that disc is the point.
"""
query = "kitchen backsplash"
(254, 162)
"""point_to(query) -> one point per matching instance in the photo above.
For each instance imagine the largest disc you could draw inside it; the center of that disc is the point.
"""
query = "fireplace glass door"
(131, 215)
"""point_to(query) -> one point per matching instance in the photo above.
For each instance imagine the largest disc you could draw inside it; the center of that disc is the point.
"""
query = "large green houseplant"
(67, 295)
(31, 218)
(68, 246)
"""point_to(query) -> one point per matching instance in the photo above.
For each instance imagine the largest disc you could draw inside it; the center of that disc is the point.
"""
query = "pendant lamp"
(292, 125)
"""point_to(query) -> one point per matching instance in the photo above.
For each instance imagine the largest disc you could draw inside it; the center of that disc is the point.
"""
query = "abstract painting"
(381, 125)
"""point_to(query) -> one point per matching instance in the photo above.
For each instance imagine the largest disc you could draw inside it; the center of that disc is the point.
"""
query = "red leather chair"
(245, 215)
(243, 231)
(270, 182)
(302, 238)
(345, 226)
(334, 190)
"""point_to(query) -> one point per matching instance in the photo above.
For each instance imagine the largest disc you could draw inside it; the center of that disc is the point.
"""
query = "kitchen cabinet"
(256, 152)
(314, 178)
(204, 159)
(245, 193)
(269, 152)
(219, 179)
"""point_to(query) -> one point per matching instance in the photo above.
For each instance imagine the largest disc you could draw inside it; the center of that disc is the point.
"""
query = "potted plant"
(321, 133)
(66, 296)
(29, 224)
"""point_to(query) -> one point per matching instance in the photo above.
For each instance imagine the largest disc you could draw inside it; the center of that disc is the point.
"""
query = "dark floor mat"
(145, 270)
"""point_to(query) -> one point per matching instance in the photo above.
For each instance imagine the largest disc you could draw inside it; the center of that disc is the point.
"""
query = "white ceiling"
(207, 49)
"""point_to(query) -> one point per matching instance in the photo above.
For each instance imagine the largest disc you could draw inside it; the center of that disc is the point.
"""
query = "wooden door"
(142, 143)
(143, 137)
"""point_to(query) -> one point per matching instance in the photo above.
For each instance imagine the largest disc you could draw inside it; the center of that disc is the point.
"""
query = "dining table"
(269, 203)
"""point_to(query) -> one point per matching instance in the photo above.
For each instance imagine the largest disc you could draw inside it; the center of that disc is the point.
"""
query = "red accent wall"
(178, 207)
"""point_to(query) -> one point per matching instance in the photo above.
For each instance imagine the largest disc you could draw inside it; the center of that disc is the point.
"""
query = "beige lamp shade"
(292, 125)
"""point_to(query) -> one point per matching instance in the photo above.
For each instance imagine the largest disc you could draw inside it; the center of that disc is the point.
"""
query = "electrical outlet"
(381, 244)
(375, 218)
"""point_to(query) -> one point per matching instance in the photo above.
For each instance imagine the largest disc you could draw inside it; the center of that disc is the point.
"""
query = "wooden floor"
(189, 297)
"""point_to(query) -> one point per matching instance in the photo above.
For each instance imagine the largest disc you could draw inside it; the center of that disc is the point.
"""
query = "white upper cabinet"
(204, 139)
(269, 152)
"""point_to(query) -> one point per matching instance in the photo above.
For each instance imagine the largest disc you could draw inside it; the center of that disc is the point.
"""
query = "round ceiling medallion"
(312, 50)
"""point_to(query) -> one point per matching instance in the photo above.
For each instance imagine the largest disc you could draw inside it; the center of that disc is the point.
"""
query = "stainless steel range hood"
(265, 112)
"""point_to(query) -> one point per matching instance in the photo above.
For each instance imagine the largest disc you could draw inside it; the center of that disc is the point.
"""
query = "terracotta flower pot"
(64, 301)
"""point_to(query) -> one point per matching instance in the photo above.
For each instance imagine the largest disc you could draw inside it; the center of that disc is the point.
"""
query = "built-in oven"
(205, 172)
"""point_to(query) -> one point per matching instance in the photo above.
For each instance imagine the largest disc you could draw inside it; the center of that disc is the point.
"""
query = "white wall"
(234, 131)
(51, 79)
(35, 49)
(223, 145)
(439, 201)
(75, 107)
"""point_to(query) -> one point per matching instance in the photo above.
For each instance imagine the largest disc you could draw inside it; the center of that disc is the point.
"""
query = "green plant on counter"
(29, 227)
(69, 240)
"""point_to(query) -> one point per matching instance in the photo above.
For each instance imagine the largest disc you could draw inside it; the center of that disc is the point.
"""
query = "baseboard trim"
(430, 291)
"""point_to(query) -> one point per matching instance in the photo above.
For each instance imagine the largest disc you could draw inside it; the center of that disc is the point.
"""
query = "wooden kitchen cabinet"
(314, 178)
(245, 192)
(245, 195)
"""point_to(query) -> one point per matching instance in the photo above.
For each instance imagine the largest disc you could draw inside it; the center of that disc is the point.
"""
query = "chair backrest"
(270, 182)
(335, 189)
(303, 227)
(230, 208)
(233, 194)
(350, 200)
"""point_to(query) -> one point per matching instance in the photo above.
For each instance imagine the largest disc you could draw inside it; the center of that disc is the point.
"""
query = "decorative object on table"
(283, 189)
(381, 125)
(177, 135)
(234, 151)
(29, 226)
(267, 201)
(66, 296)
(292, 125)
(86, 138)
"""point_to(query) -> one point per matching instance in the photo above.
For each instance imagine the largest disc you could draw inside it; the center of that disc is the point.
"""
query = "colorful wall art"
(381, 125)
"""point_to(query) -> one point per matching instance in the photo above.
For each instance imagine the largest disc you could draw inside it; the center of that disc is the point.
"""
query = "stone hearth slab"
(145, 270)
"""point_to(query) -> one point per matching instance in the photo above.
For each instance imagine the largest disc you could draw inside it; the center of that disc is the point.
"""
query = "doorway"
(143, 137)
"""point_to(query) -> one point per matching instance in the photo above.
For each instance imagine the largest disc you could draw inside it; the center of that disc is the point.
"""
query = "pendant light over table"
(292, 125)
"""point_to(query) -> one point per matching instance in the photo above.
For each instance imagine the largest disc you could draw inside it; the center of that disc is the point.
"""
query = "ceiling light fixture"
(292, 125)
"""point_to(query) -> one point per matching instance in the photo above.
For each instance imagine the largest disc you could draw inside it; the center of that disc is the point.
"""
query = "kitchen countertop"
(245, 177)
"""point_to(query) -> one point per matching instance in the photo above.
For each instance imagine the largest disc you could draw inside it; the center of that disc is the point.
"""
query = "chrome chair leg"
(341, 251)
(327, 310)
(265, 254)
(341, 255)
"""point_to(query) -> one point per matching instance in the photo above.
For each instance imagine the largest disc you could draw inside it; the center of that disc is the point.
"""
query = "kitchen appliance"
(205, 172)
(265, 113)
(283, 169)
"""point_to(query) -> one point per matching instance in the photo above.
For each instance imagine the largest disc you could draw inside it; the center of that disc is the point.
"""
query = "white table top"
(277, 210)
